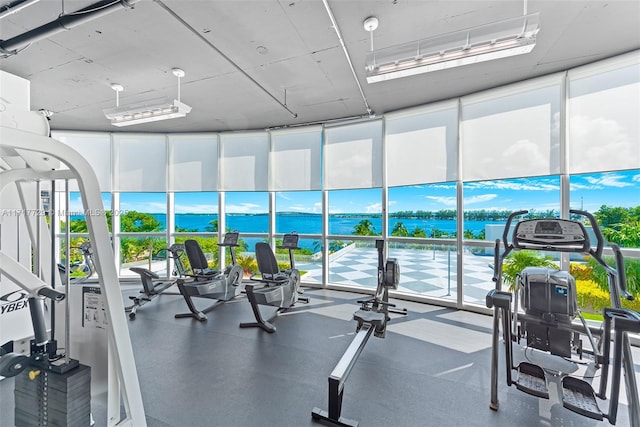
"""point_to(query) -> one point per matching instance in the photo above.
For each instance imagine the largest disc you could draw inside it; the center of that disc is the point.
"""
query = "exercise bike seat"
(372, 318)
(144, 271)
(198, 261)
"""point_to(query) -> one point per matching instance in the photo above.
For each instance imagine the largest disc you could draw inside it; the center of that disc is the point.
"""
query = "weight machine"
(29, 156)
(553, 339)
(371, 319)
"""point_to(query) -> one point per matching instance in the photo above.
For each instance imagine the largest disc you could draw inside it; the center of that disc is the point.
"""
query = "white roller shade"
(512, 132)
(353, 156)
(95, 147)
(244, 159)
(295, 159)
(193, 162)
(142, 162)
(422, 145)
(604, 116)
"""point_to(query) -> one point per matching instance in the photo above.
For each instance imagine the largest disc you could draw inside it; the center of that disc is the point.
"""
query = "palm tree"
(364, 228)
(400, 230)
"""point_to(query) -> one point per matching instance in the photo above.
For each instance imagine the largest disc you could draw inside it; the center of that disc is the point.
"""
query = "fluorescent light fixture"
(146, 112)
(497, 40)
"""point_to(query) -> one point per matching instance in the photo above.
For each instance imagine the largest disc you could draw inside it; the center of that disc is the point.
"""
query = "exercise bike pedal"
(532, 380)
(578, 396)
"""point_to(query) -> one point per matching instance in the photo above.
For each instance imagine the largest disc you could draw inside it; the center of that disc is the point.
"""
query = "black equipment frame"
(617, 319)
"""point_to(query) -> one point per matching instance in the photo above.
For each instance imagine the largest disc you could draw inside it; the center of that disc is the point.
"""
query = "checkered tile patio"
(426, 272)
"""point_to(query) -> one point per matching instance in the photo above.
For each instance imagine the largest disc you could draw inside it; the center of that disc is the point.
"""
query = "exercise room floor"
(432, 369)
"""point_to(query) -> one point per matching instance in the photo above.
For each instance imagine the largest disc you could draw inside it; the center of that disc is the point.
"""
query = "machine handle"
(622, 274)
(507, 226)
(51, 293)
(496, 260)
(596, 230)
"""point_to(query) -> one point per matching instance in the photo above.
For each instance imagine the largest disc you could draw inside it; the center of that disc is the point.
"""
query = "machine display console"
(230, 239)
(290, 241)
(552, 234)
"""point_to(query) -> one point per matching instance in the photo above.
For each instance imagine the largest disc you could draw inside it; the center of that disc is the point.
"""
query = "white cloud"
(374, 208)
(197, 208)
(479, 199)
(245, 208)
(446, 201)
(151, 207)
(608, 180)
(538, 185)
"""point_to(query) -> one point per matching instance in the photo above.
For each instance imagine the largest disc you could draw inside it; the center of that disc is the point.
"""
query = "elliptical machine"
(208, 283)
(549, 308)
(372, 318)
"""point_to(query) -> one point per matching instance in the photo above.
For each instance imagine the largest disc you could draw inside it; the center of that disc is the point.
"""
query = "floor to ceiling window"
(436, 181)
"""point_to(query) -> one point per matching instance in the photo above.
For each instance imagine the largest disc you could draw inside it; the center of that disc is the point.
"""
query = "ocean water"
(311, 224)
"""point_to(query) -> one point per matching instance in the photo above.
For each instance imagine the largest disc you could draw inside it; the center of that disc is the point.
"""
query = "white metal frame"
(37, 150)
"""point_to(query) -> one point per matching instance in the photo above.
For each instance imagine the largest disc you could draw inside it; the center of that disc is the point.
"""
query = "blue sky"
(589, 192)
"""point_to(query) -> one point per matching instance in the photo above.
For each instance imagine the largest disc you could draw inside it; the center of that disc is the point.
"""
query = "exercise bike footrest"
(531, 380)
(578, 396)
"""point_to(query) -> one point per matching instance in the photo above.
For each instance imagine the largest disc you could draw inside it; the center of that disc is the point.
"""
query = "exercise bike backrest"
(197, 259)
(267, 263)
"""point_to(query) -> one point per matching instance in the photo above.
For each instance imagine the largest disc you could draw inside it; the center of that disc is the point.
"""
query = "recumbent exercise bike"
(209, 283)
(280, 288)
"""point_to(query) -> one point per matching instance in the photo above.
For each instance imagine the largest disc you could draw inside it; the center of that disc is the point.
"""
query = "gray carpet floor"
(432, 369)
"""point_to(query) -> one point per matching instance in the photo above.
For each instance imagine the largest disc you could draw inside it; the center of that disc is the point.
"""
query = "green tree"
(399, 229)
(632, 273)
(626, 234)
(518, 261)
(364, 228)
(611, 216)
(213, 226)
(418, 232)
(139, 222)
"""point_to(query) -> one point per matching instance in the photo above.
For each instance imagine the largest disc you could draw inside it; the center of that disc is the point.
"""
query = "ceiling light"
(148, 111)
(497, 40)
